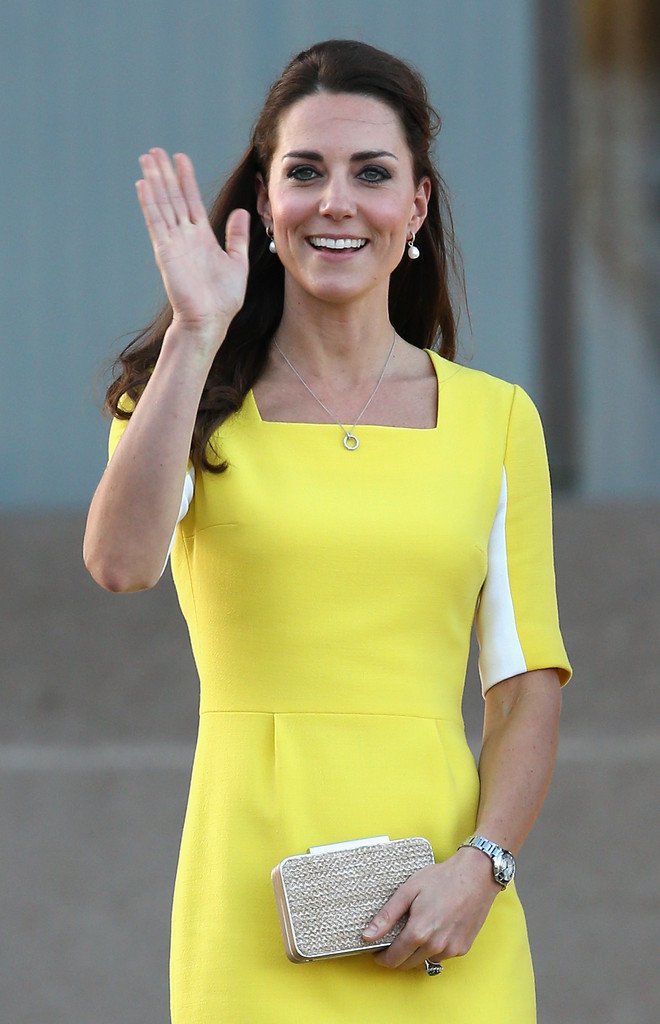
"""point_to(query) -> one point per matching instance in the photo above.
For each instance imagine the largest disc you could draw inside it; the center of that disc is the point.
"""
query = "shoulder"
(478, 386)
(460, 375)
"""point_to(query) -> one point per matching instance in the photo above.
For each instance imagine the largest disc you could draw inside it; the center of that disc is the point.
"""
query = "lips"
(323, 243)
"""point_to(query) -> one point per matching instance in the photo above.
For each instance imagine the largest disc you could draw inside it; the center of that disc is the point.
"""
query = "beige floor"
(99, 707)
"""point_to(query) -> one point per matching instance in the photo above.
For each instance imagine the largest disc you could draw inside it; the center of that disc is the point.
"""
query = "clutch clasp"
(349, 844)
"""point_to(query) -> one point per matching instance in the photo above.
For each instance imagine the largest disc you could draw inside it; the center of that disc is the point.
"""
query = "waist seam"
(336, 714)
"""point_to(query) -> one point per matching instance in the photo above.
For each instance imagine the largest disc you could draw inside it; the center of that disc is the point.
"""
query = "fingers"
(389, 913)
(172, 186)
(155, 174)
(169, 195)
(409, 949)
(237, 234)
(442, 921)
(189, 187)
(410, 957)
(153, 218)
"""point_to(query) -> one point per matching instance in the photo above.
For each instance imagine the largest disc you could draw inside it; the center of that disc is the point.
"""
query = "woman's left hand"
(447, 904)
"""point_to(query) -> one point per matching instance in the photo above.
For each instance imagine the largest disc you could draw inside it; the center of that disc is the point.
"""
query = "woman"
(348, 501)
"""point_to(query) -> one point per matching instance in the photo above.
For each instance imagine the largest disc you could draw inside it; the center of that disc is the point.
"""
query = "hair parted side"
(420, 304)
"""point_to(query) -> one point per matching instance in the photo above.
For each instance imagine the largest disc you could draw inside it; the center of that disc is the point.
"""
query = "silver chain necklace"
(351, 442)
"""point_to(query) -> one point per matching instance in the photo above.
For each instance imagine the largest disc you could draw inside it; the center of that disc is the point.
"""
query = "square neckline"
(362, 426)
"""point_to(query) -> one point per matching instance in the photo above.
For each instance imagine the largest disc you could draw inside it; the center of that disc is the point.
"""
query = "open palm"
(204, 282)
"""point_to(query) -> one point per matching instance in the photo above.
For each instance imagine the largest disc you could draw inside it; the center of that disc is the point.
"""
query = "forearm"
(135, 507)
(518, 754)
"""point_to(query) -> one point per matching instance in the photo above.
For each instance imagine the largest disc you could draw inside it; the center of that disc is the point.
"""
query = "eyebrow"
(366, 154)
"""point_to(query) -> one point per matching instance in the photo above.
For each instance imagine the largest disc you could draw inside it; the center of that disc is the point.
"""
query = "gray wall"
(86, 88)
(97, 733)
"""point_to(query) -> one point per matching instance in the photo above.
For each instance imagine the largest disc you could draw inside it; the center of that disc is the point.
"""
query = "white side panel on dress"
(186, 498)
(500, 651)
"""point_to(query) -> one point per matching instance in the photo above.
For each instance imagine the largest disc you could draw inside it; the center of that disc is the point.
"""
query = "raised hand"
(204, 282)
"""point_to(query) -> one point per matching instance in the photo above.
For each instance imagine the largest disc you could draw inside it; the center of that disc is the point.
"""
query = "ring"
(432, 967)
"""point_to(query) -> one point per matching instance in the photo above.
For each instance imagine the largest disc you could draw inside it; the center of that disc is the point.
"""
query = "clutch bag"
(325, 897)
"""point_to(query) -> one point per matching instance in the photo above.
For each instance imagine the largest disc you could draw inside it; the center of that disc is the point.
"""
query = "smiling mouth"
(333, 244)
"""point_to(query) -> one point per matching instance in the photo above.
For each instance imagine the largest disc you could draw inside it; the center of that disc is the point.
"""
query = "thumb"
(389, 913)
(237, 233)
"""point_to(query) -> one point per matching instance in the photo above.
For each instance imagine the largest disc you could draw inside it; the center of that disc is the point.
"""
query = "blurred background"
(551, 157)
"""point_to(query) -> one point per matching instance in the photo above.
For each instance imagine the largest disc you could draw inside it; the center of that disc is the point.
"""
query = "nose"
(336, 201)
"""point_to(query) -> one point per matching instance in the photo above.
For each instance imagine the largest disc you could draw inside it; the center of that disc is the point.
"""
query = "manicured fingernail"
(371, 929)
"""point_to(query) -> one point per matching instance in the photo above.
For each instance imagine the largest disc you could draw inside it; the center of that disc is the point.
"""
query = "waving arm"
(134, 509)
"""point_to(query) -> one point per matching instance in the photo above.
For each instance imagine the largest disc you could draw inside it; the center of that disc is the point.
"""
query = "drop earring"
(271, 244)
(413, 251)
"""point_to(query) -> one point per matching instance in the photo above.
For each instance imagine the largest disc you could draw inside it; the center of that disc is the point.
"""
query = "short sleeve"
(118, 425)
(517, 620)
(117, 428)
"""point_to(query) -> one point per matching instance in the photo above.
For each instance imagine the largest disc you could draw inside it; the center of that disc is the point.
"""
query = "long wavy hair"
(420, 304)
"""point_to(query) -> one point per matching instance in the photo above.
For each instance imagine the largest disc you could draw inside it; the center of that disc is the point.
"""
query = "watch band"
(503, 861)
(481, 843)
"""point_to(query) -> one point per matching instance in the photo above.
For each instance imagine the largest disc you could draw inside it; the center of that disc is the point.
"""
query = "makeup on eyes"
(294, 173)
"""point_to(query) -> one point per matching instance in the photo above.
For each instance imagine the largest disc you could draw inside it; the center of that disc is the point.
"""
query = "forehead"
(335, 117)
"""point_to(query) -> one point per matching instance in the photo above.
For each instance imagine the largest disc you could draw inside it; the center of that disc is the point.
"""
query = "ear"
(263, 203)
(420, 205)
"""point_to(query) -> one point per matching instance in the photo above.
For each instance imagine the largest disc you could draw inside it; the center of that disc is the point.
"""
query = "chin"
(337, 290)
(338, 296)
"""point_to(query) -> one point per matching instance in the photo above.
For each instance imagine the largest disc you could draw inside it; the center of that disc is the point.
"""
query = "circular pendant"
(351, 442)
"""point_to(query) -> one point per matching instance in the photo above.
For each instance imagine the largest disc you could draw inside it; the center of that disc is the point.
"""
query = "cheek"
(391, 215)
(290, 210)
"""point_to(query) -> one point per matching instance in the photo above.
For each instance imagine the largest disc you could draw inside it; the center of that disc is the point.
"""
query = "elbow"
(117, 584)
(115, 577)
(534, 697)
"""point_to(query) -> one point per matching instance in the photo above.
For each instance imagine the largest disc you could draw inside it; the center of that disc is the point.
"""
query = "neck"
(345, 342)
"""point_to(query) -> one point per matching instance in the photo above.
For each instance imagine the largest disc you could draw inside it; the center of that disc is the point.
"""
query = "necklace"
(351, 441)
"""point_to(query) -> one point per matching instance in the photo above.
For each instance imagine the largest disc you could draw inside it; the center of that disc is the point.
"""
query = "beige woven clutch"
(327, 896)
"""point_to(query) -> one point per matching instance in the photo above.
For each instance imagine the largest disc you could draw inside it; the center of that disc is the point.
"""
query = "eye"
(304, 173)
(375, 174)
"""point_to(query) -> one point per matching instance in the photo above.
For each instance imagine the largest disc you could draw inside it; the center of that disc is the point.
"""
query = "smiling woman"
(342, 503)
(353, 212)
(384, 98)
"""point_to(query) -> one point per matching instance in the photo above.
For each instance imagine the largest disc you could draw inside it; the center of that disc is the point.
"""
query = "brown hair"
(420, 305)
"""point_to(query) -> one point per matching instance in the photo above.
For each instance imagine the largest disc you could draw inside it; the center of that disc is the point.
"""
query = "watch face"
(504, 867)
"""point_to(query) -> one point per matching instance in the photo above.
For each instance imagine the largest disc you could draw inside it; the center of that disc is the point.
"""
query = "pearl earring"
(271, 244)
(413, 251)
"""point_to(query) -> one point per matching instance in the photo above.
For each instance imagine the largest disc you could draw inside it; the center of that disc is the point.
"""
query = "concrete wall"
(99, 714)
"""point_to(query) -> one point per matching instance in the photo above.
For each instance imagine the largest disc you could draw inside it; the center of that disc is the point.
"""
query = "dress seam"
(191, 584)
(202, 529)
(336, 714)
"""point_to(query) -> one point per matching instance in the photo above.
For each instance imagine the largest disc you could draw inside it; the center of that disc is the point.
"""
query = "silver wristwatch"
(504, 864)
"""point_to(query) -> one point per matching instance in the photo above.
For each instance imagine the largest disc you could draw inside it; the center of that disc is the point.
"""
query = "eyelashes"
(300, 173)
(383, 175)
(305, 172)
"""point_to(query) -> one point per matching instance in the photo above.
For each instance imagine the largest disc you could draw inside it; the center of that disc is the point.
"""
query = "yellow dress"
(330, 597)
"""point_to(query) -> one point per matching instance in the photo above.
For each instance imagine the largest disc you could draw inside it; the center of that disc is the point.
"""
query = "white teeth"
(337, 243)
